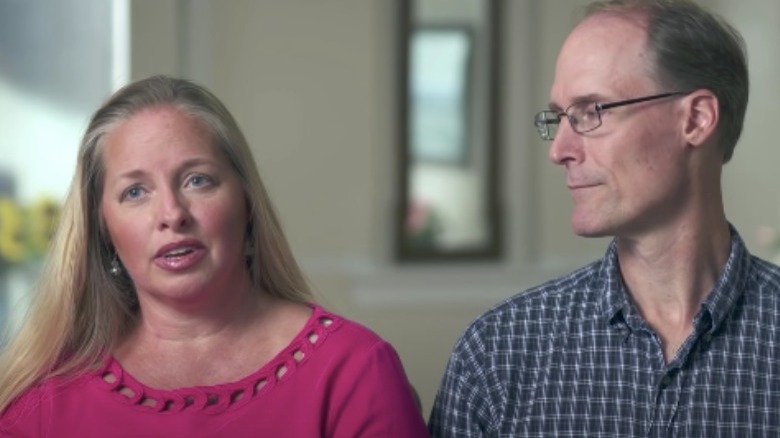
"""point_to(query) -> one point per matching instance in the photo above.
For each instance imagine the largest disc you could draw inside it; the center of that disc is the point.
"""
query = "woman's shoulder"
(344, 330)
(31, 406)
(23, 406)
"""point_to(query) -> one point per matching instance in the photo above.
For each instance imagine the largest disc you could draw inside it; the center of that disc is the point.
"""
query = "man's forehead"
(603, 55)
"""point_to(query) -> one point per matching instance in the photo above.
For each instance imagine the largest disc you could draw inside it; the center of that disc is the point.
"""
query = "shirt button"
(665, 381)
(707, 338)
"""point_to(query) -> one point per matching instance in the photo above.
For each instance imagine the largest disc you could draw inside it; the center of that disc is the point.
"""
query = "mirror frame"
(491, 197)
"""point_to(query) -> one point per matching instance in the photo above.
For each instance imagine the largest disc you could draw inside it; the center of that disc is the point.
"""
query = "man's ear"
(702, 114)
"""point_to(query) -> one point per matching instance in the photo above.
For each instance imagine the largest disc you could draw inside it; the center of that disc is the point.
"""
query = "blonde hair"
(80, 310)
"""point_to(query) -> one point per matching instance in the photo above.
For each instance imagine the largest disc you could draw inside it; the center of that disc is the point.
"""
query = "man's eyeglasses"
(585, 116)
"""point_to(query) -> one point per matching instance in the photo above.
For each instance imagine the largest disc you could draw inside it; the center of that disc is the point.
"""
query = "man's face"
(628, 176)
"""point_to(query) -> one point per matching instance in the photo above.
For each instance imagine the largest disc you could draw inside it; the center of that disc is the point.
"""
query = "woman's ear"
(702, 114)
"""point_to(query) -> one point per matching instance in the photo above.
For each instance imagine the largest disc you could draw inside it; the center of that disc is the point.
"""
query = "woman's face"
(174, 208)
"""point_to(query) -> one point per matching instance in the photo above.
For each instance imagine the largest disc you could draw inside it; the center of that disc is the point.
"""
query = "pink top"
(335, 379)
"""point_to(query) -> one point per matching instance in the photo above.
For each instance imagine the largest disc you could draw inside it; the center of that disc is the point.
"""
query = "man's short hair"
(692, 48)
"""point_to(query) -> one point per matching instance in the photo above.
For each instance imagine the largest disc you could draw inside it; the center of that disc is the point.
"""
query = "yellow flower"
(43, 215)
(12, 245)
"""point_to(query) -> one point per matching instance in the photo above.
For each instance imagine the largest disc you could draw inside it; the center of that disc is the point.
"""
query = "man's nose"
(567, 144)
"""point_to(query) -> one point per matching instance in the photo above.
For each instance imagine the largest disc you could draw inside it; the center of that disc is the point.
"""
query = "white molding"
(411, 286)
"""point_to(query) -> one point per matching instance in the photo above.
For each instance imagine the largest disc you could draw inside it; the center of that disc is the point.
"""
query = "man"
(676, 331)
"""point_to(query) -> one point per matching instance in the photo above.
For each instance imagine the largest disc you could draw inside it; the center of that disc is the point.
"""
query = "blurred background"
(324, 92)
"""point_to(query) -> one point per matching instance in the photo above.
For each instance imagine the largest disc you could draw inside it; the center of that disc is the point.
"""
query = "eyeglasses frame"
(599, 107)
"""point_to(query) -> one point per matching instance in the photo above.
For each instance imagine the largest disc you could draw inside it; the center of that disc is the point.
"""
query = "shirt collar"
(730, 285)
(716, 307)
(614, 301)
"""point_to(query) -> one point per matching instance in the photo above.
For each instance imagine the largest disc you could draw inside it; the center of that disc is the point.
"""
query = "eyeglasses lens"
(547, 124)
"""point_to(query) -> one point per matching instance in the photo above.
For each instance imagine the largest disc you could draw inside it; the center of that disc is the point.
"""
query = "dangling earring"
(249, 247)
(249, 251)
(116, 268)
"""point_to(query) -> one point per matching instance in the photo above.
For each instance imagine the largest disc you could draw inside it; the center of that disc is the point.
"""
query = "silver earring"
(116, 268)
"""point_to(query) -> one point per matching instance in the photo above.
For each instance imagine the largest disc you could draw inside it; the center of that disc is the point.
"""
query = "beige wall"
(312, 84)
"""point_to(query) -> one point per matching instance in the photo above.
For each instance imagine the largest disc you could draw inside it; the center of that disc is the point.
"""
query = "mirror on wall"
(449, 208)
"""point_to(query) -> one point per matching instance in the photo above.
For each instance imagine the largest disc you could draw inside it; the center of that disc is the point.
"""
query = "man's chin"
(589, 230)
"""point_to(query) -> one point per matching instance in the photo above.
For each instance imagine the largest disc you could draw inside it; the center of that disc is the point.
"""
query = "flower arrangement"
(423, 225)
(26, 230)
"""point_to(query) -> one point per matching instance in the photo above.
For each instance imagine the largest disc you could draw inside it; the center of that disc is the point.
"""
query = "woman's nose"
(173, 210)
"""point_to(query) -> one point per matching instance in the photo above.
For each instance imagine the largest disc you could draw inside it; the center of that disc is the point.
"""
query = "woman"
(171, 304)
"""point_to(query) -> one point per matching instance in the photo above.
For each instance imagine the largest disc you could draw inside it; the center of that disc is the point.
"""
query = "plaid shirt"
(573, 358)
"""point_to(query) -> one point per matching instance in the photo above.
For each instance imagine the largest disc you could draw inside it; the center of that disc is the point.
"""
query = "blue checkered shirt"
(573, 358)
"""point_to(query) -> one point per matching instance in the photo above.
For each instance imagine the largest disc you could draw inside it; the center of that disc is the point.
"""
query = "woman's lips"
(179, 256)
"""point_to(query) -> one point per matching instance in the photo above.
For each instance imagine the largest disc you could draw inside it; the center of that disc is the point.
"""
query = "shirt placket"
(668, 390)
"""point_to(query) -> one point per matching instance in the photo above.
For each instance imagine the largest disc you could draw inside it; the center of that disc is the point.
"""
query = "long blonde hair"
(80, 310)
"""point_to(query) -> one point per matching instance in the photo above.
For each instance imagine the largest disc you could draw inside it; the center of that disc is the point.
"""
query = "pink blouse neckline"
(227, 396)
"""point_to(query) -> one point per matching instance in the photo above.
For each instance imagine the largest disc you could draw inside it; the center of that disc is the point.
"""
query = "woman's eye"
(199, 180)
(132, 193)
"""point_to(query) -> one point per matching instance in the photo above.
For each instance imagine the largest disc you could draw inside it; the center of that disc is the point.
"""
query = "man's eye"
(590, 114)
